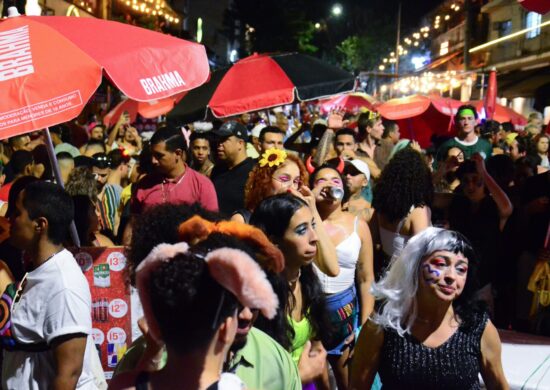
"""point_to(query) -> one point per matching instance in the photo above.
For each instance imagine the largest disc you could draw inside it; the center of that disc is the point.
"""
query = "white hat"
(361, 166)
(320, 121)
(256, 130)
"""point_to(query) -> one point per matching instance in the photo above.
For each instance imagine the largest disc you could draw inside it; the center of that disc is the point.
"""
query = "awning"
(440, 61)
(522, 83)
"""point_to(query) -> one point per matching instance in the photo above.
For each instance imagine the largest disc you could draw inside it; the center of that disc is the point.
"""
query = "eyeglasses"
(286, 182)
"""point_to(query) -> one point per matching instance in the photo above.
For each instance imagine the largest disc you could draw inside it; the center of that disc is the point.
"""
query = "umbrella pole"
(268, 118)
(57, 175)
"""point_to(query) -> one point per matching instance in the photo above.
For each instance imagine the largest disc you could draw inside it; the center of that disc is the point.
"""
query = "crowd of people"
(271, 253)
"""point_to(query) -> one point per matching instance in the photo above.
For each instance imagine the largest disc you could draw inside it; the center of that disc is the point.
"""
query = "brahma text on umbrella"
(40, 110)
(15, 53)
(161, 83)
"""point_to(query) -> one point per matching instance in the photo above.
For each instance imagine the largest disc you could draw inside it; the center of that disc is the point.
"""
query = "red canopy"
(419, 117)
(539, 6)
(150, 109)
(502, 114)
(351, 102)
(51, 65)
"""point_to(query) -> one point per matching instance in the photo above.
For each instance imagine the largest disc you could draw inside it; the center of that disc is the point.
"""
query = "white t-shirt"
(56, 301)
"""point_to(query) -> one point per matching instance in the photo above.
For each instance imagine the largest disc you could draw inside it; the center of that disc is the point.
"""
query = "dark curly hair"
(406, 181)
(185, 301)
(159, 224)
(258, 185)
(272, 216)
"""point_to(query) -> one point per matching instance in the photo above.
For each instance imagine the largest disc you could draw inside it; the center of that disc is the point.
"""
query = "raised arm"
(502, 201)
(325, 259)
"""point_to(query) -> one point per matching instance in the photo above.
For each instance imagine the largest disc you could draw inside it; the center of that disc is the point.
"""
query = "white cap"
(256, 130)
(320, 121)
(361, 166)
(12, 12)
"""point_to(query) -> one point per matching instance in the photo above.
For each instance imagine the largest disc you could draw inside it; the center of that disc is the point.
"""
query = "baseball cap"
(232, 128)
(360, 166)
(256, 130)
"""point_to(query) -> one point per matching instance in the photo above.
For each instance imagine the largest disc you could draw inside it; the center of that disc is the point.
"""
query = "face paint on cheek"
(430, 275)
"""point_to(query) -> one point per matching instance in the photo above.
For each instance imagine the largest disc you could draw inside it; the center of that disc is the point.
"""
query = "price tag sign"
(118, 308)
(117, 261)
(116, 336)
(98, 336)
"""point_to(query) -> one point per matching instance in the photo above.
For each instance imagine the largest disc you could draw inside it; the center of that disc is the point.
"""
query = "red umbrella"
(51, 65)
(419, 117)
(262, 81)
(502, 114)
(539, 6)
(351, 102)
(150, 109)
(491, 96)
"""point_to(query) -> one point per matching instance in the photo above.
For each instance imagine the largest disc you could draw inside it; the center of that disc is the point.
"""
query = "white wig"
(397, 288)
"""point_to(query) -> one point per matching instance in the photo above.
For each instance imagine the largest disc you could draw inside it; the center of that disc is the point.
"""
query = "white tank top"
(348, 254)
(394, 242)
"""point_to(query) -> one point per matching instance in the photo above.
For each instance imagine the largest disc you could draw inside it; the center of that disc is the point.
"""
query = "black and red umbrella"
(262, 81)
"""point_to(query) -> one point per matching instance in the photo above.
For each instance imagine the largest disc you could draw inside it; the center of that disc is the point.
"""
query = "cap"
(256, 130)
(510, 138)
(361, 166)
(232, 128)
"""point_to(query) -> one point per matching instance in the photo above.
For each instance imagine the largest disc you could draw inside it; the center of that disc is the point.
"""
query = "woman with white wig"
(429, 333)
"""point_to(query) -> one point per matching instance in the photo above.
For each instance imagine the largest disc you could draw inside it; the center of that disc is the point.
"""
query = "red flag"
(491, 97)
(539, 6)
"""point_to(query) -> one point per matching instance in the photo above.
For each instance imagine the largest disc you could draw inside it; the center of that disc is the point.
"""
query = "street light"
(317, 25)
(336, 9)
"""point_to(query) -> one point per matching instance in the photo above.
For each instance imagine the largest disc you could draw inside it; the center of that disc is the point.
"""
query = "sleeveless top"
(394, 242)
(348, 254)
(407, 363)
(302, 333)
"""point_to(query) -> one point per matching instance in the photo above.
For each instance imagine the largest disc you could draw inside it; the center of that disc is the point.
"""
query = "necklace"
(293, 281)
(166, 194)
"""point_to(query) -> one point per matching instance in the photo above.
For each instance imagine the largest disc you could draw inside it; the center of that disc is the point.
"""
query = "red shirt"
(190, 188)
(5, 191)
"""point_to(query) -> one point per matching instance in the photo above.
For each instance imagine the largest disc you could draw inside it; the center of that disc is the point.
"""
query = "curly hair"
(258, 184)
(406, 181)
(81, 181)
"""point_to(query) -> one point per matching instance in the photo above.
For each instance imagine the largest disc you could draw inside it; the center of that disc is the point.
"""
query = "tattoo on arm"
(324, 147)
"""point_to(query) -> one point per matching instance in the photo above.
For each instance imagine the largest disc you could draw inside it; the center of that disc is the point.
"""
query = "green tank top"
(302, 333)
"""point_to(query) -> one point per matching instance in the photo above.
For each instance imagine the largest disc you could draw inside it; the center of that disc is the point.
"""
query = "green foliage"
(305, 37)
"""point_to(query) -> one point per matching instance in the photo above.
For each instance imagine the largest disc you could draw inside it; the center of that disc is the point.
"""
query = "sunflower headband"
(273, 157)
(197, 229)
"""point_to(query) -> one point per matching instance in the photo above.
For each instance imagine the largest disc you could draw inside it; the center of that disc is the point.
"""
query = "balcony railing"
(520, 47)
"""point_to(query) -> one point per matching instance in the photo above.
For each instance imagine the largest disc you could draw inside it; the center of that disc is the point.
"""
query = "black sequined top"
(405, 363)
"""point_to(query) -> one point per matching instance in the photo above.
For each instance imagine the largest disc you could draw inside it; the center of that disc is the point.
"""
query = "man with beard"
(255, 357)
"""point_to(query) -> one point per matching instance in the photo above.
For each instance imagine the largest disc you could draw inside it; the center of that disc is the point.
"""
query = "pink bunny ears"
(233, 269)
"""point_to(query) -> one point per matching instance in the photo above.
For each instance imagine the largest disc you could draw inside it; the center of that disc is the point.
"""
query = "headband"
(466, 111)
(231, 268)
(197, 229)
(273, 157)
(311, 168)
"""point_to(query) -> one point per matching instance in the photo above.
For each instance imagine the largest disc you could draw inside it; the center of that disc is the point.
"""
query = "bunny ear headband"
(233, 269)
(197, 229)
